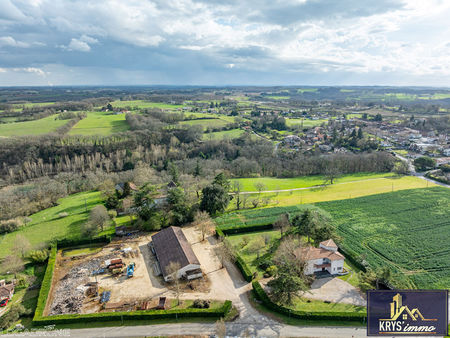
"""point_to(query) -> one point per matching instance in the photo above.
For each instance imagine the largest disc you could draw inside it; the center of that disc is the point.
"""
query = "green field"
(303, 90)
(405, 230)
(206, 123)
(36, 127)
(47, 225)
(306, 122)
(341, 191)
(141, 104)
(272, 183)
(219, 135)
(100, 123)
(296, 200)
(274, 97)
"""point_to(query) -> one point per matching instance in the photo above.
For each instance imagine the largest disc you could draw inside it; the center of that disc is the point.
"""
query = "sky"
(210, 42)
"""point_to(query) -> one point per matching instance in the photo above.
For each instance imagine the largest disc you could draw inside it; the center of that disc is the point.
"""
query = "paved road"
(205, 329)
(413, 172)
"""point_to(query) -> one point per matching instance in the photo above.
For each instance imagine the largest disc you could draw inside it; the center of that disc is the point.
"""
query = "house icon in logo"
(402, 312)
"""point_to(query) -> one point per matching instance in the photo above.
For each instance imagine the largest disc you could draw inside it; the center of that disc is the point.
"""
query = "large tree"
(204, 223)
(180, 212)
(290, 277)
(215, 199)
(314, 224)
(99, 216)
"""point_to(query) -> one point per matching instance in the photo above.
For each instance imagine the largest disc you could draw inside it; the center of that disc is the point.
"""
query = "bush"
(38, 256)
(112, 213)
(10, 317)
(201, 304)
(264, 263)
(271, 270)
(339, 316)
(9, 226)
(227, 230)
(245, 270)
(63, 214)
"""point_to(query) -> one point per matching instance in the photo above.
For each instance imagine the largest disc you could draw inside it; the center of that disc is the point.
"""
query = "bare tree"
(221, 329)
(237, 186)
(260, 187)
(224, 251)
(21, 245)
(331, 173)
(204, 223)
(282, 223)
(12, 264)
(172, 271)
(256, 245)
(99, 216)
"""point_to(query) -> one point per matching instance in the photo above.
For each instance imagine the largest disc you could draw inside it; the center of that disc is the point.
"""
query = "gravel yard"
(335, 290)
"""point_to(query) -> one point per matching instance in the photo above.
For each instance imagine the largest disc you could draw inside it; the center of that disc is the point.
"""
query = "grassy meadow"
(272, 183)
(100, 123)
(46, 225)
(307, 123)
(36, 127)
(141, 104)
(219, 135)
(341, 191)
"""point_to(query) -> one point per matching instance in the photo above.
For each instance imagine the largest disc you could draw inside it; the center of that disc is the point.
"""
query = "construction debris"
(70, 292)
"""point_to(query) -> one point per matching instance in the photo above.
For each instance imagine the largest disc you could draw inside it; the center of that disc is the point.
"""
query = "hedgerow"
(243, 267)
(135, 315)
(46, 283)
(313, 315)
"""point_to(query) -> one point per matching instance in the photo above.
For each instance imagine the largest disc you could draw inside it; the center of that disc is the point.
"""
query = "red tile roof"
(329, 243)
(311, 253)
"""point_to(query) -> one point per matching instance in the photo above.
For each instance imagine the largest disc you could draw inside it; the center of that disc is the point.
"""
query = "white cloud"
(11, 42)
(77, 45)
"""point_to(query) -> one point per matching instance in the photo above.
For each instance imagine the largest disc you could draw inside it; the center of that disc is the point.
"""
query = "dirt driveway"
(335, 290)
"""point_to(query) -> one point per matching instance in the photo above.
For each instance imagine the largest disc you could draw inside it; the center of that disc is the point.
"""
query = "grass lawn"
(300, 322)
(249, 257)
(37, 127)
(307, 123)
(141, 104)
(352, 276)
(346, 190)
(219, 135)
(272, 183)
(82, 250)
(100, 123)
(46, 224)
(303, 304)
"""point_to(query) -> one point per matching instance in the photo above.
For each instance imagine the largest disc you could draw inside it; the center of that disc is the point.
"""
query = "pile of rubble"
(70, 291)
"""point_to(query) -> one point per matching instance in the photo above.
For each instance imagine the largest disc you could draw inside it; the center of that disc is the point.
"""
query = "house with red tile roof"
(325, 258)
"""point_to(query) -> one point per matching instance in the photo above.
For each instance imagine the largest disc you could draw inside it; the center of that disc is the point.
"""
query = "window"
(339, 268)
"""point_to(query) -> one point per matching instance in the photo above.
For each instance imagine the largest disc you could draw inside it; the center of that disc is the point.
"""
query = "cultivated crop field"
(408, 231)
(37, 127)
(100, 123)
(48, 224)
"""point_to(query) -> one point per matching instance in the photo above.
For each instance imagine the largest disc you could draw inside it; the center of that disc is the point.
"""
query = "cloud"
(11, 42)
(265, 41)
(81, 44)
